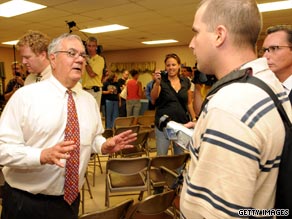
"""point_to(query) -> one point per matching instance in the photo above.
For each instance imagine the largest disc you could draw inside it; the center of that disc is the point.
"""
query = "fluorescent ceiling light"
(17, 7)
(14, 42)
(159, 42)
(106, 28)
(275, 6)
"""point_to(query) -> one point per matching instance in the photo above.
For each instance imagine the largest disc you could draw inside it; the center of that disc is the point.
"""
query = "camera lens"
(163, 72)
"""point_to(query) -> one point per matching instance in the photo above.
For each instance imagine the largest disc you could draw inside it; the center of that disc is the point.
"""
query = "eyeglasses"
(273, 49)
(73, 53)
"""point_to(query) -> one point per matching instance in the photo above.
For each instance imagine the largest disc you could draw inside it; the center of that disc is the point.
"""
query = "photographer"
(170, 96)
(16, 82)
(203, 83)
(93, 72)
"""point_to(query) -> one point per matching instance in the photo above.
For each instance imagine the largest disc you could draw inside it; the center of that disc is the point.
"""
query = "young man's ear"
(221, 33)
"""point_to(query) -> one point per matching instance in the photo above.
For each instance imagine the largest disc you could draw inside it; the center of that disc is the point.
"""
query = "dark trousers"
(151, 106)
(18, 204)
(123, 109)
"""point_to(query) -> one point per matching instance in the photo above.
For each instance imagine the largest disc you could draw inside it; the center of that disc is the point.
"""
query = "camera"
(96, 89)
(163, 73)
(201, 78)
(176, 132)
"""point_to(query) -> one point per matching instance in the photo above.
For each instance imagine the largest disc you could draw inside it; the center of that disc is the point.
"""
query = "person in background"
(35, 146)
(186, 71)
(277, 49)
(105, 76)
(102, 101)
(149, 86)
(33, 48)
(203, 84)
(134, 95)
(236, 147)
(122, 101)
(110, 92)
(16, 82)
(170, 96)
(93, 72)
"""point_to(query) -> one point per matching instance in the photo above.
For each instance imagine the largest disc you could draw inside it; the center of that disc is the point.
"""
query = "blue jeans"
(112, 112)
(162, 144)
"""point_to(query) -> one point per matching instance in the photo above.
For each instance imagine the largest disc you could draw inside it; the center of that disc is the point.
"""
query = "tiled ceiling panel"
(147, 20)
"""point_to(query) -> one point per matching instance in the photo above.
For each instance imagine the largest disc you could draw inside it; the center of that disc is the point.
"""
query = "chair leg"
(96, 163)
(94, 170)
(88, 186)
(83, 193)
(106, 201)
(141, 195)
(99, 163)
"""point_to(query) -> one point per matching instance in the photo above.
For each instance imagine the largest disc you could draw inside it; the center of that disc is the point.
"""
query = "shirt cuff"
(99, 140)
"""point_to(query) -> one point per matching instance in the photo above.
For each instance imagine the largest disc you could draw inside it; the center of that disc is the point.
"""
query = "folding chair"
(172, 162)
(125, 175)
(116, 212)
(173, 182)
(134, 128)
(153, 207)
(94, 162)
(151, 143)
(146, 122)
(139, 146)
(95, 158)
(83, 192)
(123, 121)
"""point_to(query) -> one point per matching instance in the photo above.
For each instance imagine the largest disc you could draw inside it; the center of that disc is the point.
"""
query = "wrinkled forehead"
(72, 43)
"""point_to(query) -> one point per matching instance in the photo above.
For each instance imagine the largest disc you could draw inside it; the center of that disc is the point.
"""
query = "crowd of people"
(238, 135)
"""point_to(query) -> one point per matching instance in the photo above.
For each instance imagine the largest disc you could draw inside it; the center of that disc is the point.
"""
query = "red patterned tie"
(72, 133)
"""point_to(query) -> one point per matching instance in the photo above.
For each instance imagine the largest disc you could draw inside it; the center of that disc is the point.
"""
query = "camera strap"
(179, 101)
(175, 95)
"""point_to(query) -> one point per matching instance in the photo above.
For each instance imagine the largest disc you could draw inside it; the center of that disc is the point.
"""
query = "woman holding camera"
(171, 95)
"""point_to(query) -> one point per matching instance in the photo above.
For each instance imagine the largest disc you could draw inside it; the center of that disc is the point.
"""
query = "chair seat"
(118, 181)
(156, 178)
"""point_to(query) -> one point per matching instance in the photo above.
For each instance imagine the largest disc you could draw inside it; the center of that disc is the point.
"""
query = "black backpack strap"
(284, 180)
(266, 88)
(238, 75)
